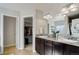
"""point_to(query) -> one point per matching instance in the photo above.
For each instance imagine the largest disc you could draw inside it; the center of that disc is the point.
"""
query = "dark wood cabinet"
(66, 49)
(71, 50)
(44, 47)
(37, 44)
(47, 47)
(74, 50)
(40, 46)
(58, 48)
(42, 51)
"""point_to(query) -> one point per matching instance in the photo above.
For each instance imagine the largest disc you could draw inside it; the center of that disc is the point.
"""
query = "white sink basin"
(67, 40)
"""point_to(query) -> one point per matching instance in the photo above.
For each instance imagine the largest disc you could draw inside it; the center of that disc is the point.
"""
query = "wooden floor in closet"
(13, 51)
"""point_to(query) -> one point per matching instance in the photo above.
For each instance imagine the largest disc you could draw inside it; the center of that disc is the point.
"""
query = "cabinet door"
(37, 45)
(58, 48)
(71, 50)
(66, 49)
(48, 47)
(40, 46)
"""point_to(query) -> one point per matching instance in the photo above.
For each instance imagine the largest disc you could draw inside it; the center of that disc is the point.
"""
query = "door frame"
(32, 28)
(2, 31)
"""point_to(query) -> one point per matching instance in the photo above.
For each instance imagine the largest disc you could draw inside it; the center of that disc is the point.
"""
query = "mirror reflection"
(75, 27)
(57, 26)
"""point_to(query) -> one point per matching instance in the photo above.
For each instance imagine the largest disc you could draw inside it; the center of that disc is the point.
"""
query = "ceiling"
(52, 8)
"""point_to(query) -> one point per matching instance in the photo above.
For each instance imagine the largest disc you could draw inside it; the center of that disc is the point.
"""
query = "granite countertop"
(60, 40)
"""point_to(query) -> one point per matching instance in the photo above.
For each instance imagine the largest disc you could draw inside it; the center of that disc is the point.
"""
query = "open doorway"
(28, 32)
(9, 34)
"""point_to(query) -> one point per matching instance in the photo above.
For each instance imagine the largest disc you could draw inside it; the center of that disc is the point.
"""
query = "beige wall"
(41, 24)
(9, 31)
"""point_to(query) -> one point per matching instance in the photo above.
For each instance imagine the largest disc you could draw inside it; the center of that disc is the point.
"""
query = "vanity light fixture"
(48, 16)
(73, 7)
(64, 9)
(64, 15)
(66, 12)
(70, 8)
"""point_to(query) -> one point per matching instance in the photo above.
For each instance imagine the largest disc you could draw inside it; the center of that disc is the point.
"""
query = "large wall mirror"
(73, 22)
(57, 25)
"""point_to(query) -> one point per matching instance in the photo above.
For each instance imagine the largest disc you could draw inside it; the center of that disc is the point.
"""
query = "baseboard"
(34, 50)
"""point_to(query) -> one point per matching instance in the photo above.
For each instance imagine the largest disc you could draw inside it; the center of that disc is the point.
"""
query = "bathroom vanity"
(65, 25)
(51, 46)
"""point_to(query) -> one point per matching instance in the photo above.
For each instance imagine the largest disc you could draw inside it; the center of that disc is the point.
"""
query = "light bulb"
(47, 16)
(66, 12)
(72, 6)
(74, 9)
(64, 9)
